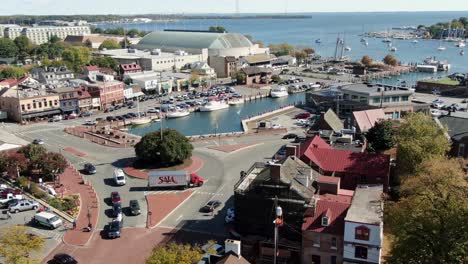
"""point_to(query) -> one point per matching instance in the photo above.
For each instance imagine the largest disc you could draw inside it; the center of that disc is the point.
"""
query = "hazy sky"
(9, 7)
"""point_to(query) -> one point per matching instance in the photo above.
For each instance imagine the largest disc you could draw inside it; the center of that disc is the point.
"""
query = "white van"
(47, 219)
(119, 177)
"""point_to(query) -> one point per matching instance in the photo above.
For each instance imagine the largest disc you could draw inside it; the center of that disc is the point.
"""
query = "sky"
(66, 7)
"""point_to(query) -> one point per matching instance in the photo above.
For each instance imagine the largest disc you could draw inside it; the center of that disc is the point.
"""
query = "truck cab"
(196, 180)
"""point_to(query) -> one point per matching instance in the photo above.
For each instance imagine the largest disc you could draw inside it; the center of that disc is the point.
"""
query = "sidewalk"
(197, 164)
(71, 180)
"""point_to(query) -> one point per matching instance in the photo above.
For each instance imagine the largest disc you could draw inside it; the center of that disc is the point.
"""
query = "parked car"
(89, 168)
(300, 139)
(38, 141)
(90, 123)
(115, 197)
(302, 115)
(116, 209)
(47, 219)
(23, 205)
(210, 206)
(7, 203)
(290, 136)
(114, 229)
(63, 258)
(85, 114)
(134, 207)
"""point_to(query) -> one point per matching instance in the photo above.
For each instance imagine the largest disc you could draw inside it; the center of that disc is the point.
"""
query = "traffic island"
(191, 165)
(161, 205)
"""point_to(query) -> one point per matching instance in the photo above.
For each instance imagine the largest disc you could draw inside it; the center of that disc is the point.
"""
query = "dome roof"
(193, 40)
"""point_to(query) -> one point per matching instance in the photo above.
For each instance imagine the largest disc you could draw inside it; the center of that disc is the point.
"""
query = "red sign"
(167, 179)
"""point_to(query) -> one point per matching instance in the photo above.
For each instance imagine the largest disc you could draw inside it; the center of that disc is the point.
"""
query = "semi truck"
(167, 179)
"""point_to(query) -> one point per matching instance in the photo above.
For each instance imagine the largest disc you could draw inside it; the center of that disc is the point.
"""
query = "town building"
(347, 98)
(284, 61)
(94, 41)
(129, 68)
(68, 96)
(457, 128)
(351, 167)
(151, 81)
(289, 183)
(12, 32)
(154, 60)
(257, 60)
(85, 100)
(132, 92)
(202, 68)
(364, 120)
(52, 75)
(108, 90)
(363, 233)
(41, 34)
(5, 26)
(327, 123)
(324, 225)
(256, 76)
(224, 67)
(26, 99)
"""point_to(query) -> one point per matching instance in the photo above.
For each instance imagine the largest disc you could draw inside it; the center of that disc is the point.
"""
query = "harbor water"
(221, 121)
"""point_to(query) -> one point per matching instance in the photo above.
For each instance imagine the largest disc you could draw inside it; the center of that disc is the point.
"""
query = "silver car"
(23, 205)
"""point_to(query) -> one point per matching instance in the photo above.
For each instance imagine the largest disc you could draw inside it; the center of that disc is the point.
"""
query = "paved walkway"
(161, 205)
(232, 148)
(72, 184)
(196, 165)
(75, 151)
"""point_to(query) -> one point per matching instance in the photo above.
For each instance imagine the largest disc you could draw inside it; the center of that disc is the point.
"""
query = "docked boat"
(387, 40)
(236, 102)
(318, 41)
(347, 48)
(214, 106)
(460, 44)
(177, 114)
(415, 41)
(141, 121)
(279, 92)
(393, 49)
(441, 48)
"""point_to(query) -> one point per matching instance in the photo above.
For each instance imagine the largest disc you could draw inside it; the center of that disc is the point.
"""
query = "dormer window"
(325, 221)
(362, 233)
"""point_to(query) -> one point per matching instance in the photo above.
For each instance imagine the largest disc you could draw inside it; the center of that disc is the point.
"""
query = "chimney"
(234, 246)
(291, 151)
(275, 172)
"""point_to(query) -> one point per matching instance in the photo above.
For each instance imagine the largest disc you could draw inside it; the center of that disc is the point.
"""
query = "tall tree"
(390, 60)
(429, 224)
(77, 57)
(366, 60)
(109, 44)
(105, 62)
(8, 48)
(174, 254)
(419, 138)
(53, 164)
(24, 46)
(16, 244)
(12, 72)
(381, 136)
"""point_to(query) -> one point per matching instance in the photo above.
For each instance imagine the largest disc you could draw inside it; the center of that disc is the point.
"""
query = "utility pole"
(278, 222)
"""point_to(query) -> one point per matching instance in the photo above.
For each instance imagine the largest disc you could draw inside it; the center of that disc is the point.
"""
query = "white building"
(12, 32)
(5, 26)
(203, 68)
(40, 35)
(151, 81)
(154, 60)
(364, 226)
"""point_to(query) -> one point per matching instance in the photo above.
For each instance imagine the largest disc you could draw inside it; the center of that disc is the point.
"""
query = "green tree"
(390, 60)
(53, 49)
(281, 49)
(12, 72)
(429, 223)
(16, 243)
(276, 78)
(105, 62)
(218, 29)
(24, 46)
(124, 43)
(309, 51)
(3, 161)
(241, 77)
(8, 48)
(77, 57)
(173, 253)
(381, 136)
(418, 139)
(34, 153)
(366, 60)
(53, 164)
(109, 44)
(300, 55)
(174, 148)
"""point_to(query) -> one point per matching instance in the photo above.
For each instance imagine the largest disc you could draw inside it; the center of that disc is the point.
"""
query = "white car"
(437, 105)
(153, 111)
(38, 141)
(119, 177)
(276, 126)
(90, 123)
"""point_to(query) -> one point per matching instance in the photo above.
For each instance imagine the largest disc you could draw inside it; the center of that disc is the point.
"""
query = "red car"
(115, 197)
(4, 193)
(302, 115)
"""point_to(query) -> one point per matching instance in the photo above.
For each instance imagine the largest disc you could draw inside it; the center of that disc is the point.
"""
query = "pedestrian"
(74, 224)
(8, 215)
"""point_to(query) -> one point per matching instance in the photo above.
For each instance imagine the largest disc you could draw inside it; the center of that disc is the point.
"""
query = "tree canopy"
(16, 243)
(174, 148)
(281, 49)
(53, 164)
(429, 223)
(241, 77)
(381, 136)
(12, 72)
(105, 62)
(8, 48)
(173, 253)
(219, 29)
(366, 60)
(76, 57)
(418, 139)
(390, 60)
(109, 44)
(24, 46)
(35, 153)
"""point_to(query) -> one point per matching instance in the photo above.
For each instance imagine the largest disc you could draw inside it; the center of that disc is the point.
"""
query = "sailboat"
(462, 52)
(441, 48)
(415, 41)
(140, 120)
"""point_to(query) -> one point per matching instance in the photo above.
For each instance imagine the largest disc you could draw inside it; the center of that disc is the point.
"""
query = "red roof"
(9, 82)
(309, 145)
(336, 212)
(92, 68)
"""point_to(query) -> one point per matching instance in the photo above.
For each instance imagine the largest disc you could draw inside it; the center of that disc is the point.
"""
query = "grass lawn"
(445, 80)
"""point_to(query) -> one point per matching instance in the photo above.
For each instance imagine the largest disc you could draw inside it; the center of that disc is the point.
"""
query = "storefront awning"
(43, 113)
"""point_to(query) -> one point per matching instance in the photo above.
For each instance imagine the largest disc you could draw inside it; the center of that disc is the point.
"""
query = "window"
(34, 105)
(22, 107)
(376, 100)
(40, 104)
(55, 102)
(316, 242)
(362, 233)
(333, 243)
(386, 99)
(363, 100)
(461, 150)
(333, 260)
(395, 99)
(354, 97)
(404, 98)
(29, 106)
(325, 221)
(360, 252)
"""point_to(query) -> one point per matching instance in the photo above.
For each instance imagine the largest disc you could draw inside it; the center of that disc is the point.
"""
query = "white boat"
(279, 92)
(141, 121)
(462, 52)
(214, 106)
(366, 43)
(236, 102)
(460, 44)
(363, 40)
(347, 48)
(387, 40)
(441, 48)
(393, 49)
(415, 41)
(177, 114)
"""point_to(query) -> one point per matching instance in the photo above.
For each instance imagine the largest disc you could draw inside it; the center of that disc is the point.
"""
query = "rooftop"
(367, 205)
(252, 59)
(376, 89)
(334, 209)
(251, 70)
(456, 123)
(365, 120)
(136, 54)
(444, 81)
